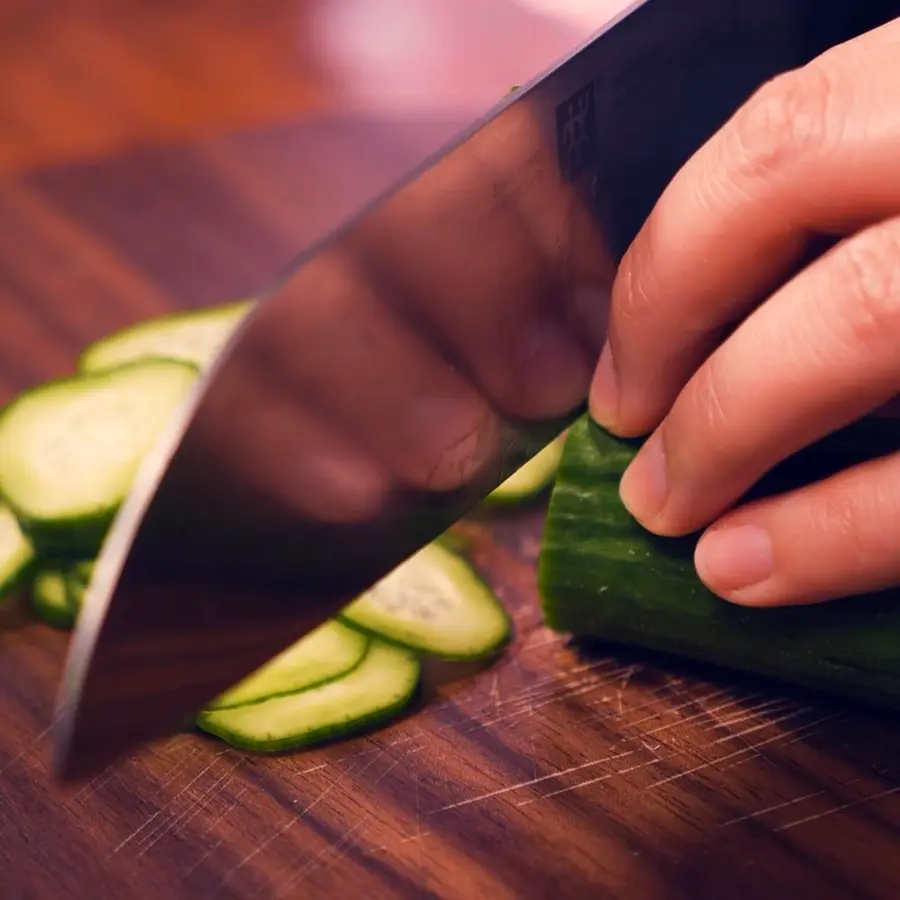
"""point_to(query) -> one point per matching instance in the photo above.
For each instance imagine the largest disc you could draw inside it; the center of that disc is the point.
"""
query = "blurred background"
(82, 79)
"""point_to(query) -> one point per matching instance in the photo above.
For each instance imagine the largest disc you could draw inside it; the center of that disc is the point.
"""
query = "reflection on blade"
(404, 368)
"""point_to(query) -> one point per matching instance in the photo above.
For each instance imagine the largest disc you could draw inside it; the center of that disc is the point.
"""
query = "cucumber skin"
(349, 728)
(486, 652)
(76, 538)
(86, 361)
(600, 574)
(62, 619)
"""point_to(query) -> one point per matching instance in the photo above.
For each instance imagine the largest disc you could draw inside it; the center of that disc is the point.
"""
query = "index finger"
(814, 151)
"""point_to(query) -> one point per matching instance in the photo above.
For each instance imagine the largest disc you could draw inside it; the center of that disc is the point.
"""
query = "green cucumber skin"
(67, 540)
(62, 618)
(274, 695)
(600, 574)
(87, 360)
(488, 652)
(312, 738)
(352, 727)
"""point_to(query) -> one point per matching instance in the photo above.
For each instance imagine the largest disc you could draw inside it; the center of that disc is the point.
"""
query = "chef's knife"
(409, 362)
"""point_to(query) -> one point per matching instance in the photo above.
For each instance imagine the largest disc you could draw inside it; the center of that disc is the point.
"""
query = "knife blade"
(405, 365)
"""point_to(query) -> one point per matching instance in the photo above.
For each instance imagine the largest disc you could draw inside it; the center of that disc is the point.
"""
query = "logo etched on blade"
(576, 133)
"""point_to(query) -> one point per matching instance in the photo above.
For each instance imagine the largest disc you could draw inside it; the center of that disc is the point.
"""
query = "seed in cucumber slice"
(50, 599)
(195, 337)
(436, 603)
(329, 652)
(70, 449)
(16, 553)
(531, 480)
(373, 692)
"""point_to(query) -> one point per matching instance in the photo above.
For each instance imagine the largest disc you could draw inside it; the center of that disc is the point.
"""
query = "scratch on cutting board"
(29, 748)
(154, 817)
(508, 789)
(713, 763)
(265, 843)
(344, 844)
(773, 808)
(853, 804)
(211, 826)
(195, 807)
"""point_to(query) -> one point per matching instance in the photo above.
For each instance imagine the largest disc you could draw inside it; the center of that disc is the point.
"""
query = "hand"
(814, 153)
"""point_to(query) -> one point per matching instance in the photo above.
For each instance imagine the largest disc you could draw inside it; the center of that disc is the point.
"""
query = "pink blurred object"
(445, 55)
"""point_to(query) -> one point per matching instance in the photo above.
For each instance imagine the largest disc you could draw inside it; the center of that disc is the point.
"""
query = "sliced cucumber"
(16, 553)
(195, 337)
(374, 691)
(531, 480)
(50, 599)
(329, 652)
(434, 602)
(70, 449)
(76, 586)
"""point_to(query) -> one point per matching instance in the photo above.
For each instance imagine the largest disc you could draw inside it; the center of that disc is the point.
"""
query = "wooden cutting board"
(554, 773)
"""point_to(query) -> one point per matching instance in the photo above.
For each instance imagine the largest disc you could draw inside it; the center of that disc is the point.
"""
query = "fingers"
(816, 150)
(834, 538)
(475, 255)
(334, 348)
(818, 355)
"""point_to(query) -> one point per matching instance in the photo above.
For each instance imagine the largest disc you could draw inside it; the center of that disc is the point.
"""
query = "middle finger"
(819, 354)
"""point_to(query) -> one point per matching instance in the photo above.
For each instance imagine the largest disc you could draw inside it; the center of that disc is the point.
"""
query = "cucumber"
(531, 480)
(50, 600)
(70, 449)
(329, 652)
(16, 553)
(436, 603)
(76, 586)
(195, 337)
(601, 574)
(374, 691)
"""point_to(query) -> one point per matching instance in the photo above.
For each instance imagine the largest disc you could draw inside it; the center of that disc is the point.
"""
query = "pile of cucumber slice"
(355, 671)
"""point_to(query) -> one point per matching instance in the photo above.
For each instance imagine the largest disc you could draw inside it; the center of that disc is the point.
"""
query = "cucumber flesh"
(194, 337)
(329, 652)
(374, 691)
(532, 479)
(601, 574)
(436, 603)
(70, 449)
(16, 553)
(50, 599)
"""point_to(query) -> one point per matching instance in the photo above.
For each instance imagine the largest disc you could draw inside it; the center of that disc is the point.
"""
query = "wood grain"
(557, 772)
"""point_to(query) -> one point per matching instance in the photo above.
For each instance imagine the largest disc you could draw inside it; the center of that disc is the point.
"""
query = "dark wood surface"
(552, 774)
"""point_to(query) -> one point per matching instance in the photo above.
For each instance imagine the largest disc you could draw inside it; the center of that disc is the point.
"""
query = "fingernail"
(644, 488)
(604, 403)
(731, 559)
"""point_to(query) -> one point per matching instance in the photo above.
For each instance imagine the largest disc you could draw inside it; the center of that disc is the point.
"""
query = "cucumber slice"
(16, 553)
(50, 599)
(75, 588)
(601, 574)
(195, 337)
(434, 602)
(374, 691)
(531, 480)
(329, 652)
(70, 449)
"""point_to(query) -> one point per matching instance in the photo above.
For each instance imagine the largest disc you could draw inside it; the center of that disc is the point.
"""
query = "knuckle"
(789, 119)
(868, 280)
(633, 289)
(709, 408)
